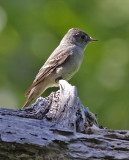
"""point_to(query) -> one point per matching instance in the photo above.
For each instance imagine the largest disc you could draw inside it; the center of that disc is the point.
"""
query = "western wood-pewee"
(63, 63)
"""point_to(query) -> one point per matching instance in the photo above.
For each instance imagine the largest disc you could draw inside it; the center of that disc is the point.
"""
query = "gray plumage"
(63, 63)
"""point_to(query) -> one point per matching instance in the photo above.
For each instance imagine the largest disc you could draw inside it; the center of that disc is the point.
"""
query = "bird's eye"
(82, 37)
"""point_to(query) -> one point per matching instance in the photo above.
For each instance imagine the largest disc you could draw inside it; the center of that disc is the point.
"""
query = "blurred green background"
(31, 29)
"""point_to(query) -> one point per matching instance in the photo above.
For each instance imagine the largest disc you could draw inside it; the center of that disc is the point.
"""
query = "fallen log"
(58, 127)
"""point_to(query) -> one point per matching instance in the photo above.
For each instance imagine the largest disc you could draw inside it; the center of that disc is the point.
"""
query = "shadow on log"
(58, 127)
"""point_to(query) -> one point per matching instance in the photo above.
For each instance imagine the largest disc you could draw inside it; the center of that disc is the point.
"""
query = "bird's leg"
(57, 80)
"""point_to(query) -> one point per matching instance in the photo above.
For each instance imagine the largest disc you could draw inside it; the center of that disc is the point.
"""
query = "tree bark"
(58, 128)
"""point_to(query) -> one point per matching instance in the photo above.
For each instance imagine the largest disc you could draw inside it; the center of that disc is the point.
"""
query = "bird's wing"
(53, 62)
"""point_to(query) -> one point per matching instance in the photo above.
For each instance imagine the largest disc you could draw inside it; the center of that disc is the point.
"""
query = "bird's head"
(78, 37)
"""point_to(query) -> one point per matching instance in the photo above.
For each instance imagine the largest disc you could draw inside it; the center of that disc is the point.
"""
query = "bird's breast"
(71, 65)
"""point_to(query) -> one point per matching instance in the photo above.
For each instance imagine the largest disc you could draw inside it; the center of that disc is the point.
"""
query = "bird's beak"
(92, 39)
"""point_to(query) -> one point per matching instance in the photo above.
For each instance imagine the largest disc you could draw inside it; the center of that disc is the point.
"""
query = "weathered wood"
(58, 127)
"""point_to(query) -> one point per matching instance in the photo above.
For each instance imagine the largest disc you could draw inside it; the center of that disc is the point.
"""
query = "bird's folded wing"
(50, 65)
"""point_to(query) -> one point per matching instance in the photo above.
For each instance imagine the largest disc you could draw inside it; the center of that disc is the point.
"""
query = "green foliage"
(31, 30)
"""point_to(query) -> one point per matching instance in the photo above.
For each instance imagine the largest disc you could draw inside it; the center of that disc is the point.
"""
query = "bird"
(63, 63)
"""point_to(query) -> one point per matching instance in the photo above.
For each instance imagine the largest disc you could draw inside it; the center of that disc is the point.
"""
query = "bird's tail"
(34, 93)
(27, 103)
